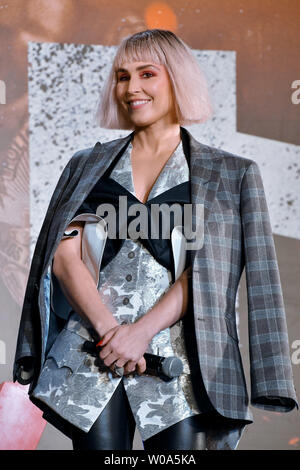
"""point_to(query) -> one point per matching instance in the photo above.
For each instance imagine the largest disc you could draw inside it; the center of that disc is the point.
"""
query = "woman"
(136, 294)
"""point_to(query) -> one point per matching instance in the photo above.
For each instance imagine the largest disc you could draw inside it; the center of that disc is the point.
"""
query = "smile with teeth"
(138, 103)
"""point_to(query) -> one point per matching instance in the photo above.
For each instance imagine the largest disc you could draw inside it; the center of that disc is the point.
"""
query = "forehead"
(132, 66)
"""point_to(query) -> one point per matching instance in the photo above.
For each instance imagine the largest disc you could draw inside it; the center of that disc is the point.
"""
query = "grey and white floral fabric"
(130, 285)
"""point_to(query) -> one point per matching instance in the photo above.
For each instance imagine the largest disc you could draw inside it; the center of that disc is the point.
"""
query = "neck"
(155, 139)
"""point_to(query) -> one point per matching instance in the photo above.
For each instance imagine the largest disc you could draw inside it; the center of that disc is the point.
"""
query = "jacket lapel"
(102, 156)
(205, 170)
(205, 179)
(205, 174)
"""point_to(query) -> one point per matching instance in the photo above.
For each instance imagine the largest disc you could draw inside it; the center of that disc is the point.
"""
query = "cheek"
(158, 89)
(119, 92)
(164, 94)
(161, 97)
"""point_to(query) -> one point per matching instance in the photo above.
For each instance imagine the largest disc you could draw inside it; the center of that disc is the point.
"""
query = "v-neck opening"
(150, 201)
(130, 147)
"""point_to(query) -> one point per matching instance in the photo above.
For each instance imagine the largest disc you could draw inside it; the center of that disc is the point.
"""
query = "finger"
(120, 362)
(130, 367)
(106, 349)
(104, 353)
(110, 359)
(107, 337)
(141, 366)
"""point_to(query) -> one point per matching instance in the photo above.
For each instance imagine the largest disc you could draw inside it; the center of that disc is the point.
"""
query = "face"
(144, 93)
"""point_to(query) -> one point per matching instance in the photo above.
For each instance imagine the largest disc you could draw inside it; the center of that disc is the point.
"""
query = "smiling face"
(144, 93)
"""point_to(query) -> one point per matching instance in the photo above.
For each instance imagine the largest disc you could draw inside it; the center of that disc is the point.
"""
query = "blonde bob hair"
(189, 87)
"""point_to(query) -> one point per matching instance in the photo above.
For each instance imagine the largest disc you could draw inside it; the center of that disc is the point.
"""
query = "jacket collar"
(205, 167)
(204, 162)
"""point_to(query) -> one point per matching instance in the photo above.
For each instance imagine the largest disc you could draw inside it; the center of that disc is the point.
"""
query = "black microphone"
(164, 367)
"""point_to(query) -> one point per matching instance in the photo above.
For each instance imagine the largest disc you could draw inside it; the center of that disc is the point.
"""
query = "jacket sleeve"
(271, 375)
(28, 342)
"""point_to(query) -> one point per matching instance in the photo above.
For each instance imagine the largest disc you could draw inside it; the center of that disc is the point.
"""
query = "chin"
(144, 122)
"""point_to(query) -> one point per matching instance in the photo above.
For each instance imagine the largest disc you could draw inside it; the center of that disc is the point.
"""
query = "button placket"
(128, 277)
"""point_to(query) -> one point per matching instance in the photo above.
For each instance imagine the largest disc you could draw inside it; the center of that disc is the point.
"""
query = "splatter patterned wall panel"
(64, 83)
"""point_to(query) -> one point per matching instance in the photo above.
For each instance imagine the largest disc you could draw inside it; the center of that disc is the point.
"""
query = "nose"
(133, 84)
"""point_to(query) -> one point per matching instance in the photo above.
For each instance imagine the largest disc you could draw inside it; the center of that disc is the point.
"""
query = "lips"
(138, 104)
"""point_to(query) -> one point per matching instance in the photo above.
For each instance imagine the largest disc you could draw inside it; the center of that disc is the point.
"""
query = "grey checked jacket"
(237, 235)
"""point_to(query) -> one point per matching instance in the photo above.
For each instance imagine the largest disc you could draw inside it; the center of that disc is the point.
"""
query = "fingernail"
(99, 343)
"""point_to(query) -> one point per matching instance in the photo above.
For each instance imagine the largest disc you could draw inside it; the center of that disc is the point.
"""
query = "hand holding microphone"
(128, 335)
(164, 367)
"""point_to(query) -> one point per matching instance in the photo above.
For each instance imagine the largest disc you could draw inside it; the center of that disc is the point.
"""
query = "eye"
(149, 73)
(121, 79)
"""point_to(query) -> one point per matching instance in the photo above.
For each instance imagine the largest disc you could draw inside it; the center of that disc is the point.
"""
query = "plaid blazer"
(237, 235)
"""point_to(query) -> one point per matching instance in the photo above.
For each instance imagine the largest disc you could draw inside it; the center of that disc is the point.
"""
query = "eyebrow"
(138, 68)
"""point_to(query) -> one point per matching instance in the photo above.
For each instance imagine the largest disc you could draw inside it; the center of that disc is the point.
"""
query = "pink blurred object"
(21, 422)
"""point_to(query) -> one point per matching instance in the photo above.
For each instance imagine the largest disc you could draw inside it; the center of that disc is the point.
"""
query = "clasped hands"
(124, 346)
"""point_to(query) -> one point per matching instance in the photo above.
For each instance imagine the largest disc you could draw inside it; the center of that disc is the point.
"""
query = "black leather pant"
(115, 427)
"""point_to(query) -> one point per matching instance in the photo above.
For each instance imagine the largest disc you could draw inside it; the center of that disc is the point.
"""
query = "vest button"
(128, 277)
(125, 300)
(131, 254)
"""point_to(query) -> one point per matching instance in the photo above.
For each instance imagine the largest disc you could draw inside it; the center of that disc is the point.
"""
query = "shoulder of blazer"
(83, 155)
(228, 156)
(230, 161)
